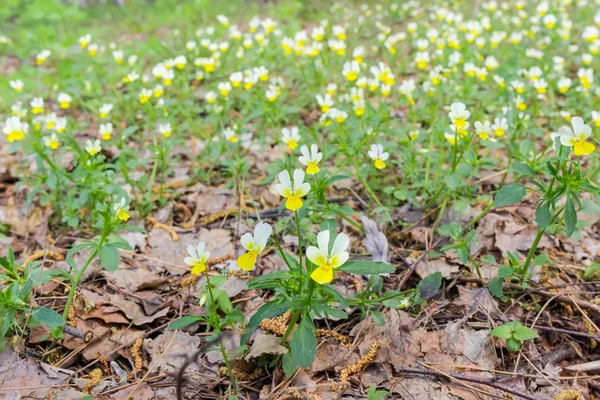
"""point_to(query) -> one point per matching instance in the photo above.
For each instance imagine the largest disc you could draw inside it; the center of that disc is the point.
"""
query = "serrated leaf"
(109, 257)
(509, 194)
(48, 317)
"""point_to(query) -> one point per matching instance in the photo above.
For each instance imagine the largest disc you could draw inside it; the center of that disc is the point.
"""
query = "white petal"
(577, 123)
(302, 190)
(284, 178)
(189, 261)
(201, 247)
(384, 156)
(315, 255)
(192, 251)
(323, 242)
(298, 178)
(340, 259)
(567, 140)
(341, 244)
(565, 131)
(262, 231)
(247, 241)
(304, 151)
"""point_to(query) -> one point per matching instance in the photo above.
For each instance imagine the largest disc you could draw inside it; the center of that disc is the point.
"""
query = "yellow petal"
(198, 268)
(123, 216)
(247, 261)
(293, 203)
(583, 148)
(312, 168)
(379, 164)
(323, 274)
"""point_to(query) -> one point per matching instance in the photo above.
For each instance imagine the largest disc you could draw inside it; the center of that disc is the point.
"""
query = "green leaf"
(303, 346)
(109, 257)
(131, 228)
(543, 216)
(509, 194)
(374, 394)
(523, 169)
(430, 285)
(496, 287)
(48, 317)
(513, 345)
(570, 216)
(183, 322)
(377, 317)
(524, 333)
(289, 367)
(591, 271)
(503, 331)
(337, 178)
(364, 267)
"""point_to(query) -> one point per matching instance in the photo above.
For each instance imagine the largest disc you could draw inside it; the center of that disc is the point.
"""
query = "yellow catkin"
(72, 323)
(209, 219)
(342, 339)
(568, 395)
(589, 327)
(136, 354)
(241, 375)
(170, 185)
(302, 396)
(43, 254)
(277, 325)
(360, 364)
(104, 361)
(158, 225)
(95, 376)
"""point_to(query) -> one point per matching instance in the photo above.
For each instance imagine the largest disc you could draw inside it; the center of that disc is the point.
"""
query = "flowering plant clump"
(320, 156)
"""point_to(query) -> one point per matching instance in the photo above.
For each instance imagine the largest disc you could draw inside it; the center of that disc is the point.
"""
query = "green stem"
(532, 250)
(299, 238)
(228, 365)
(295, 318)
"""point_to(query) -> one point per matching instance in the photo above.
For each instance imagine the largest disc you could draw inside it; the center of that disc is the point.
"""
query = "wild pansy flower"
(17, 85)
(500, 126)
(164, 129)
(458, 115)
(42, 57)
(291, 137)
(145, 95)
(293, 193)
(310, 158)
(254, 245)
(104, 110)
(105, 131)
(351, 70)
(64, 101)
(93, 147)
(197, 258)
(576, 137)
(14, 129)
(483, 129)
(51, 141)
(326, 261)
(37, 105)
(378, 156)
(121, 209)
(85, 40)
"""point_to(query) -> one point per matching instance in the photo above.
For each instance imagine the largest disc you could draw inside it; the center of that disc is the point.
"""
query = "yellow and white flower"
(293, 193)
(92, 49)
(93, 147)
(14, 129)
(459, 115)
(145, 95)
(576, 137)
(105, 109)
(61, 125)
(586, 77)
(168, 77)
(37, 105)
(254, 245)
(121, 210)
(118, 56)
(64, 101)
(106, 131)
(378, 156)
(132, 59)
(197, 258)
(483, 129)
(180, 62)
(223, 20)
(564, 84)
(165, 129)
(51, 141)
(85, 40)
(596, 118)
(291, 137)
(17, 85)
(500, 126)
(42, 56)
(422, 59)
(18, 110)
(210, 97)
(230, 135)
(326, 261)
(310, 158)
(158, 91)
(325, 102)
(236, 79)
(224, 88)
(50, 120)
(351, 70)
(131, 77)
